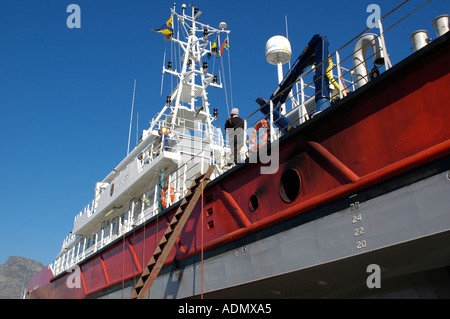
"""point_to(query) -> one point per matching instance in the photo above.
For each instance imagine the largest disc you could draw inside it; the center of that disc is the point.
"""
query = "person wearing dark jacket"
(233, 127)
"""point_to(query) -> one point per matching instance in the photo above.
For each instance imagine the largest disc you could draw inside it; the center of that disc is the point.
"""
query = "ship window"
(254, 202)
(290, 185)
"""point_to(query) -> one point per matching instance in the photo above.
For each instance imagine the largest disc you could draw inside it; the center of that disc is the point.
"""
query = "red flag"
(224, 45)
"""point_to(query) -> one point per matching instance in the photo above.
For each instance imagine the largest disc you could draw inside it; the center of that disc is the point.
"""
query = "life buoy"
(256, 143)
(163, 194)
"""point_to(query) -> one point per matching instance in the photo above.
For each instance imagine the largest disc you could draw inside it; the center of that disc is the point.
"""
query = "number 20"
(361, 244)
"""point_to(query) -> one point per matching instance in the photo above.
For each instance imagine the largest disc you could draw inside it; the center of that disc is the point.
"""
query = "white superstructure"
(180, 142)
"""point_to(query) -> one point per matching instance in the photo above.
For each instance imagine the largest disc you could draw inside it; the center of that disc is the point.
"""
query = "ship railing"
(198, 155)
(70, 238)
(180, 180)
(88, 209)
(301, 106)
(188, 127)
(342, 71)
(140, 210)
(186, 137)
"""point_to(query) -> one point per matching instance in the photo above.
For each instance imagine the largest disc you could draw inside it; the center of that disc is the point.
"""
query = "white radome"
(278, 50)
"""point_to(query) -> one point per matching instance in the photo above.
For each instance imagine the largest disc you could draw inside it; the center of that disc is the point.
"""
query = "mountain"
(15, 274)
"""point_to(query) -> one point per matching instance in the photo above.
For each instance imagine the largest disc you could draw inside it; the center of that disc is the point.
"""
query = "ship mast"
(193, 78)
(180, 143)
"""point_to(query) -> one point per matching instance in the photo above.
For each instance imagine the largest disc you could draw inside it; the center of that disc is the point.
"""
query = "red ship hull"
(390, 126)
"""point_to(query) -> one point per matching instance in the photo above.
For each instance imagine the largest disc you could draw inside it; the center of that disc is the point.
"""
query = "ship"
(339, 190)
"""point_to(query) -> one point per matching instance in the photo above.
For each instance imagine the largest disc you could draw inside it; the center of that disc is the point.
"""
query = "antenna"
(137, 128)
(287, 36)
(131, 118)
(278, 52)
(162, 76)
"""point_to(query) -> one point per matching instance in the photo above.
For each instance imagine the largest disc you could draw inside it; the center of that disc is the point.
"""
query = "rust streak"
(235, 208)
(133, 253)
(337, 165)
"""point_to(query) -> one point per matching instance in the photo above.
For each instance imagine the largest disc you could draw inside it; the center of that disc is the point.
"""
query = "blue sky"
(65, 94)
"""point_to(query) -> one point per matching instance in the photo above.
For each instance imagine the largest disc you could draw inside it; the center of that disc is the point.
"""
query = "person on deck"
(234, 127)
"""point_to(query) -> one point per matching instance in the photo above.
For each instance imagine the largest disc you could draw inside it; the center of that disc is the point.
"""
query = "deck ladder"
(170, 236)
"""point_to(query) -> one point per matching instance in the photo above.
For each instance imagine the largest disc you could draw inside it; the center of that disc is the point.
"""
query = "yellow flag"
(166, 28)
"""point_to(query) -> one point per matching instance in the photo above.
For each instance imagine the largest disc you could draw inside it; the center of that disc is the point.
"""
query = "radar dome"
(278, 50)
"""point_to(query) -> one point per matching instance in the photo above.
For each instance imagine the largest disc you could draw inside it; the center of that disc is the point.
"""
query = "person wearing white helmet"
(234, 127)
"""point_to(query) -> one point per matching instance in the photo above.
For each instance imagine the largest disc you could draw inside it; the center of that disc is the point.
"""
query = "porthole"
(254, 202)
(290, 185)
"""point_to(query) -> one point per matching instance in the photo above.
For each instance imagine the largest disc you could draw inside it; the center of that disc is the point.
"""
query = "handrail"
(343, 84)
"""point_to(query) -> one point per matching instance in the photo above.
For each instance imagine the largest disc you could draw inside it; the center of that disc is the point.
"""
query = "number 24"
(356, 218)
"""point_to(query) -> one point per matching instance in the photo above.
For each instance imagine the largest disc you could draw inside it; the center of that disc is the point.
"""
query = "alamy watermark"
(74, 279)
(74, 19)
(374, 17)
(374, 279)
(259, 149)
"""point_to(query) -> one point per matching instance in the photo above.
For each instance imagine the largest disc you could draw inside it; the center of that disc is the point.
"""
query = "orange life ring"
(163, 195)
(253, 141)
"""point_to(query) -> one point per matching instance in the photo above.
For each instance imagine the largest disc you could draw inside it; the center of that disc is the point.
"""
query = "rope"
(123, 265)
(229, 71)
(406, 16)
(144, 227)
(202, 226)
(224, 81)
(368, 28)
(225, 88)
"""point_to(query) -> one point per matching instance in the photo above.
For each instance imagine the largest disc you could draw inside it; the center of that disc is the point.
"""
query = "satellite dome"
(278, 50)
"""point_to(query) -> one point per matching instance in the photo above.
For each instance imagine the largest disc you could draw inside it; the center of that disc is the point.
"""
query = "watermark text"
(74, 19)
